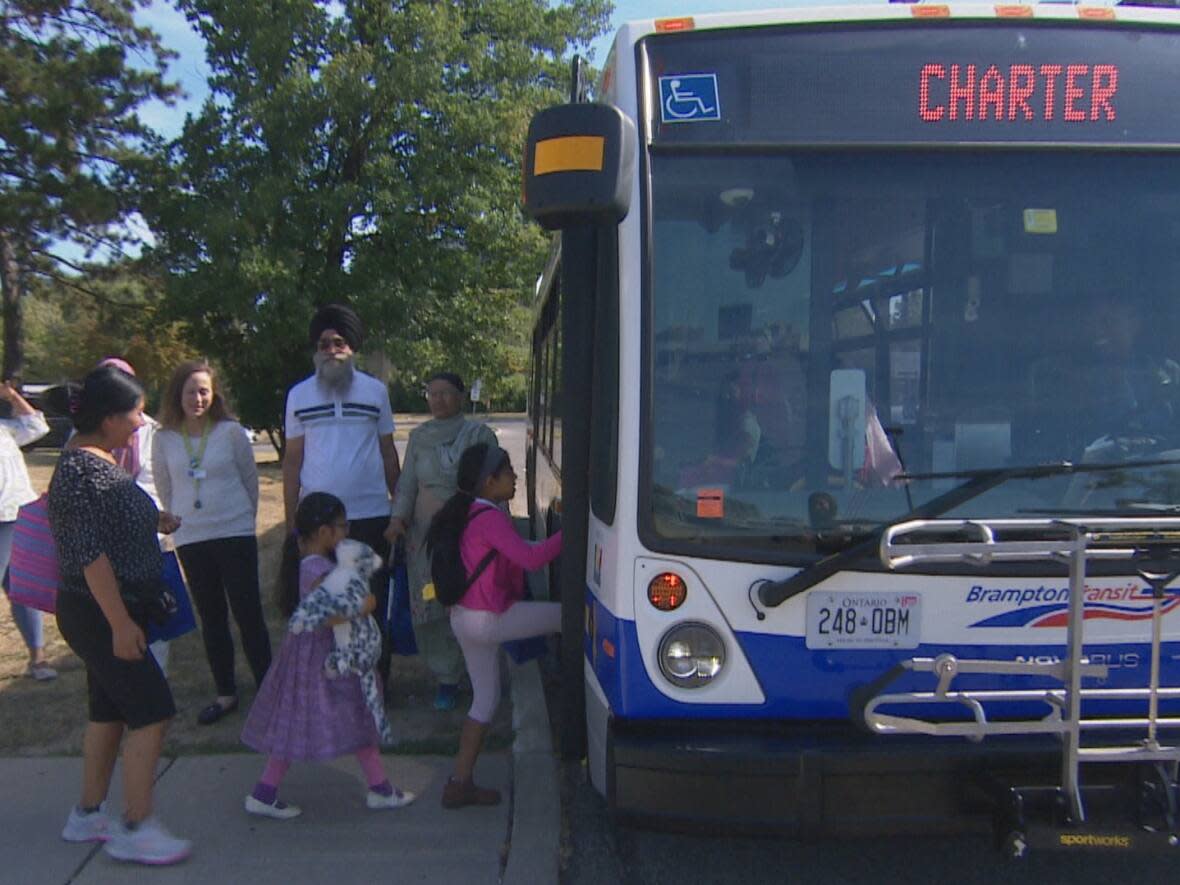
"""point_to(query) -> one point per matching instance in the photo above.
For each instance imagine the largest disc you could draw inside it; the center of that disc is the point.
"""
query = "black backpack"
(447, 570)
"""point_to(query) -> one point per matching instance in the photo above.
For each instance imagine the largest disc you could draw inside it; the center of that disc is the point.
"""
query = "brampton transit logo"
(1049, 606)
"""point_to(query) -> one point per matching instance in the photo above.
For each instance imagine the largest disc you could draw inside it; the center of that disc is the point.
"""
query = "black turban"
(341, 318)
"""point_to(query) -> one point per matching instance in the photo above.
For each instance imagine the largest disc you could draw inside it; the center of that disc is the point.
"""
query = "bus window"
(1001, 313)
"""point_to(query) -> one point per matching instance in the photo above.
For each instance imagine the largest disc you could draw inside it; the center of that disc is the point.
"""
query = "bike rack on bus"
(1151, 546)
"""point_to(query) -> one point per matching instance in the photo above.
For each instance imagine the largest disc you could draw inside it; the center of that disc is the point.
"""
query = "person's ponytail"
(450, 521)
(287, 588)
(104, 392)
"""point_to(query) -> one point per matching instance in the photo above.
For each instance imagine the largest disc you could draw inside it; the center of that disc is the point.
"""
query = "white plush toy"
(342, 593)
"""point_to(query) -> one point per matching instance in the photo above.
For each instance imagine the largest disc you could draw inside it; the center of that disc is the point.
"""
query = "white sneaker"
(41, 672)
(278, 810)
(94, 827)
(396, 799)
(148, 843)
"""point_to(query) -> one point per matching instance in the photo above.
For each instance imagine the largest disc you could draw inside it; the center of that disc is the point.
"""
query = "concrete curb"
(536, 799)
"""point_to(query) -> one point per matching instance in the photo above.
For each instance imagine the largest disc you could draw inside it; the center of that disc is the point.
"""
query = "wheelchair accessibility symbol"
(689, 98)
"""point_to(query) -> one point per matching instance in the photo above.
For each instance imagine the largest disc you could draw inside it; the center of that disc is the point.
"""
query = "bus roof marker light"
(671, 25)
(931, 10)
(667, 591)
(1014, 11)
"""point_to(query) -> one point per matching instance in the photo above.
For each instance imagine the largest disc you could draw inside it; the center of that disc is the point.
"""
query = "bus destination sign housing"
(968, 83)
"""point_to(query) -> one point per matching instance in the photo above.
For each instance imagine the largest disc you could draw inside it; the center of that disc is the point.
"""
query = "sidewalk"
(336, 841)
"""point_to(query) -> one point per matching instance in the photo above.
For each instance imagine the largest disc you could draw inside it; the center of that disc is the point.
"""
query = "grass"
(48, 718)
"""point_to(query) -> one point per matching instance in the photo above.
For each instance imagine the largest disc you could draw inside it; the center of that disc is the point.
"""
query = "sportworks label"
(1048, 605)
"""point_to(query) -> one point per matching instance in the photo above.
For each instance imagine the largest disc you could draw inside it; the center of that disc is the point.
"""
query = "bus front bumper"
(811, 781)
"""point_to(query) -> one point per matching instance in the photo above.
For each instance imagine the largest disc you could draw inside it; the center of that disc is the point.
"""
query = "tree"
(112, 310)
(366, 152)
(72, 74)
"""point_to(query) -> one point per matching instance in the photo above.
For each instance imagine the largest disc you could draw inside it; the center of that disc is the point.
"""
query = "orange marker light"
(667, 25)
(919, 10)
(1014, 11)
(666, 591)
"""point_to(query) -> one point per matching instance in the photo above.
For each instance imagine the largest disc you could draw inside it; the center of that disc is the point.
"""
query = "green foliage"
(364, 152)
(72, 148)
(112, 311)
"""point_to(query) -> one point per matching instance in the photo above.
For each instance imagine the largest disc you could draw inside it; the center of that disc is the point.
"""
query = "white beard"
(332, 372)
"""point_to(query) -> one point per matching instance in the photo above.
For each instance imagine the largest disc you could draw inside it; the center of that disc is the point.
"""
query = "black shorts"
(132, 692)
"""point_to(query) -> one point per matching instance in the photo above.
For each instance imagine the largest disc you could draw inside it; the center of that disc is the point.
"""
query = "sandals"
(215, 711)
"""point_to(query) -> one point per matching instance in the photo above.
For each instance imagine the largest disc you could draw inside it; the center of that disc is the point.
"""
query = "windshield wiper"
(775, 593)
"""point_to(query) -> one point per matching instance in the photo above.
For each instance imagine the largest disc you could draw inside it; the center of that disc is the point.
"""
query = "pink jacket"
(502, 582)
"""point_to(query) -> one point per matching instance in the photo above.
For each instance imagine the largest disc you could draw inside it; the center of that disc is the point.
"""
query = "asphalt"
(336, 841)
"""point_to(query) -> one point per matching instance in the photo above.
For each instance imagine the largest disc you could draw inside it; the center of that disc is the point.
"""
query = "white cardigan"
(229, 489)
(15, 487)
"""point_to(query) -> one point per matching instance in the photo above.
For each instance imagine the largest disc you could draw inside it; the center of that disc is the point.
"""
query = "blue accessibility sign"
(689, 98)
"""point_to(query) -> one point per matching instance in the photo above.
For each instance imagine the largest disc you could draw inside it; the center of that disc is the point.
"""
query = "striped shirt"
(341, 452)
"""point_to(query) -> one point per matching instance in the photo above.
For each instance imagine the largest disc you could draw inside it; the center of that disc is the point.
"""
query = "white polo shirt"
(340, 431)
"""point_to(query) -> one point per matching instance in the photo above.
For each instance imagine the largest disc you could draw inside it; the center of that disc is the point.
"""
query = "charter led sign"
(1074, 93)
(1027, 83)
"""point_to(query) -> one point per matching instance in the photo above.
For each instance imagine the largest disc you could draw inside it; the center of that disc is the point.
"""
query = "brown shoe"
(457, 794)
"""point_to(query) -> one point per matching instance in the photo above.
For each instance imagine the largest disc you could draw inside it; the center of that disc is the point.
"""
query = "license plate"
(863, 620)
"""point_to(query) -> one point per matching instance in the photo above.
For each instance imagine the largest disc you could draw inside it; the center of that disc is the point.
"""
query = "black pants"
(221, 570)
(371, 531)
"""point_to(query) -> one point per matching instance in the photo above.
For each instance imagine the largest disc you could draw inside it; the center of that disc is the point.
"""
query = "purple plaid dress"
(299, 712)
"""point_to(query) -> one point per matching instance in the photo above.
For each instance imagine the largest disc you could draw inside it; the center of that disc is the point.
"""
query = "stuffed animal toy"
(342, 593)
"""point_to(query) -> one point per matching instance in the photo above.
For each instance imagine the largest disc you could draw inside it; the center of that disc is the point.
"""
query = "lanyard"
(194, 461)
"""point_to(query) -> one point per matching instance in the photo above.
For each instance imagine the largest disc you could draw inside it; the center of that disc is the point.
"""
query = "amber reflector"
(666, 591)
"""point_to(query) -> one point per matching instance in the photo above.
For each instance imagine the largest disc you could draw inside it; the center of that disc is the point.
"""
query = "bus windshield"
(834, 338)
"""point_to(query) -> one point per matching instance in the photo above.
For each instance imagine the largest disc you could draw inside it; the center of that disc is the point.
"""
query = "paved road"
(601, 851)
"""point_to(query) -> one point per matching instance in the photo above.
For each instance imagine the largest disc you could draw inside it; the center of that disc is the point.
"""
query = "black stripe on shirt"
(364, 407)
(328, 408)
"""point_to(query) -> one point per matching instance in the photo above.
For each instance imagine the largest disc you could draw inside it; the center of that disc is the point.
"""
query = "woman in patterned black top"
(105, 527)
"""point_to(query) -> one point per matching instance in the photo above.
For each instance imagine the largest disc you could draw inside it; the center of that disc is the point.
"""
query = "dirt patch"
(48, 718)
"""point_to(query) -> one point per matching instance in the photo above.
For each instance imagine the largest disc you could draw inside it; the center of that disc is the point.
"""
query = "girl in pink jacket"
(493, 609)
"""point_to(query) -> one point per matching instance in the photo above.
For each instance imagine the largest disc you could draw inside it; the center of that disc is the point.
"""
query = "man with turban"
(339, 431)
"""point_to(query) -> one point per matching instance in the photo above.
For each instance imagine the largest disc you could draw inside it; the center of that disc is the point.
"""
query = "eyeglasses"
(333, 343)
(439, 394)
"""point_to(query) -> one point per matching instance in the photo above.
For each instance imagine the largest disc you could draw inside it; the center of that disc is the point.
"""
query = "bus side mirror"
(579, 165)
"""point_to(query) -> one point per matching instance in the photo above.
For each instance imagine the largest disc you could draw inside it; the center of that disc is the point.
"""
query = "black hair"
(104, 392)
(451, 520)
(314, 512)
(451, 378)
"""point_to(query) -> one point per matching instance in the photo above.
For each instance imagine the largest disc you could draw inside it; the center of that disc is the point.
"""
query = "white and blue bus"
(821, 272)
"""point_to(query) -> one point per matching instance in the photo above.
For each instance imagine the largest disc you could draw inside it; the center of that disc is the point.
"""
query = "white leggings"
(480, 634)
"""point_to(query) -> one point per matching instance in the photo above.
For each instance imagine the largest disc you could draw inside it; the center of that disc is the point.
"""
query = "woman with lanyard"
(204, 468)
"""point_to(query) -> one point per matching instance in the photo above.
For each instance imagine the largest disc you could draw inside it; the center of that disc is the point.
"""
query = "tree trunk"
(11, 290)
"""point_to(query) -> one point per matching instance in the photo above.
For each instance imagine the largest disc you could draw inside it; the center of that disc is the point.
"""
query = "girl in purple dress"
(300, 714)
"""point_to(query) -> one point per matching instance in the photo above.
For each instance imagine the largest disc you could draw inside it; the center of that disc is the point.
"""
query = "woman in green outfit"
(427, 480)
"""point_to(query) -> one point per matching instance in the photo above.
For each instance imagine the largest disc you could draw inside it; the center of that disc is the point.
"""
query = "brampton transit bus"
(856, 392)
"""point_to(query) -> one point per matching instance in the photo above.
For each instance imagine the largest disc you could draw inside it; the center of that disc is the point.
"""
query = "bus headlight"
(691, 655)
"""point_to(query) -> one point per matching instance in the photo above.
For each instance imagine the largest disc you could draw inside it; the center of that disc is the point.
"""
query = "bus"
(859, 325)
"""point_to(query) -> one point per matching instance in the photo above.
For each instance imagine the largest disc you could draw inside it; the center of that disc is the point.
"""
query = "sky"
(190, 69)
